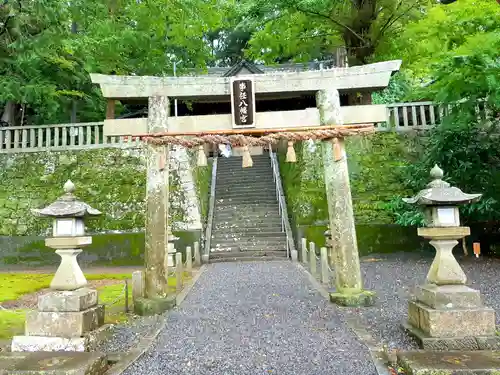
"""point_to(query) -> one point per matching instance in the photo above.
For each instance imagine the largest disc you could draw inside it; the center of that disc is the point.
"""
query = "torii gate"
(325, 83)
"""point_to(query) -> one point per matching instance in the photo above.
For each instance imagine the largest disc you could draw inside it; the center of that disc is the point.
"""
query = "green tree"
(444, 31)
(46, 64)
(465, 145)
(308, 29)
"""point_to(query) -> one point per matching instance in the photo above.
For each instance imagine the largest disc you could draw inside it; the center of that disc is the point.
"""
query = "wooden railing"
(78, 136)
(412, 116)
(401, 117)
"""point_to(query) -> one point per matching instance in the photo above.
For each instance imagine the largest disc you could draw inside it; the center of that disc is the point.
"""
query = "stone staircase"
(246, 222)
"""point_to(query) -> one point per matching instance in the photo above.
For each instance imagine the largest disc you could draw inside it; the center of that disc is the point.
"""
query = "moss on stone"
(364, 298)
(153, 306)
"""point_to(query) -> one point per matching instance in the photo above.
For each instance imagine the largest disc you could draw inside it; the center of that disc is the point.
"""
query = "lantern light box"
(68, 227)
(439, 216)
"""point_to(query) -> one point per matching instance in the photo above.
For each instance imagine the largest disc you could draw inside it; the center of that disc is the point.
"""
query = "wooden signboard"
(243, 102)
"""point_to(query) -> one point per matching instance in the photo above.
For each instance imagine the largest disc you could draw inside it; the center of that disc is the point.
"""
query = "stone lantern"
(67, 314)
(68, 237)
(446, 313)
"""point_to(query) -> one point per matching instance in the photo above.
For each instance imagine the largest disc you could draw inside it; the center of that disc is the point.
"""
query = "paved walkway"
(255, 318)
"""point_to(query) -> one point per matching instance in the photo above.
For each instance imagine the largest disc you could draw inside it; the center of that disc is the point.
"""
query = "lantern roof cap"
(439, 192)
(68, 205)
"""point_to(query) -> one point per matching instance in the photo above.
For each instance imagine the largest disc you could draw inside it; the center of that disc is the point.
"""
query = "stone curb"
(355, 324)
(146, 342)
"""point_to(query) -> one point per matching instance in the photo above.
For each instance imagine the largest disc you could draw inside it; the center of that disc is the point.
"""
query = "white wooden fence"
(80, 136)
(412, 116)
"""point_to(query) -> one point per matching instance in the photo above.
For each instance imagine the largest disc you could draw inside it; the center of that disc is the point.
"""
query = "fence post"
(325, 275)
(312, 258)
(178, 271)
(189, 259)
(303, 249)
(126, 296)
(197, 255)
(137, 285)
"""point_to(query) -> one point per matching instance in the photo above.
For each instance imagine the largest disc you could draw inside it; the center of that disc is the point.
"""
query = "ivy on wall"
(376, 166)
(110, 180)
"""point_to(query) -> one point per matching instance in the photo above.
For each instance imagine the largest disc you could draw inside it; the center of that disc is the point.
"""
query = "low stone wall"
(372, 238)
(113, 250)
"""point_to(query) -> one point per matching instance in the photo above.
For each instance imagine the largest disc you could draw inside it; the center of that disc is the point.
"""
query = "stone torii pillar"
(344, 256)
(157, 193)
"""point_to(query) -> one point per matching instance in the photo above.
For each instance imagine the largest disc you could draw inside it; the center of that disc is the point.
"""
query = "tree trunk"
(9, 113)
(360, 46)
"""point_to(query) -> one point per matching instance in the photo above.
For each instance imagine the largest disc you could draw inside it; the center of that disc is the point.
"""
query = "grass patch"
(13, 286)
(11, 323)
(113, 297)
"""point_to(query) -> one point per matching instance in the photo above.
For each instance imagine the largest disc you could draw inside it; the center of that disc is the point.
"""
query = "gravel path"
(126, 336)
(255, 318)
(394, 278)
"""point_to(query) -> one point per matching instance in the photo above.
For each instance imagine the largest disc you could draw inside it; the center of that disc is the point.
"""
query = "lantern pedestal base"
(451, 317)
(88, 343)
(69, 275)
(64, 321)
(427, 342)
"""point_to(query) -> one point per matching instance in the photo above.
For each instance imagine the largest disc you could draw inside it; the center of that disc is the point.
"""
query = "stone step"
(248, 231)
(246, 220)
(246, 239)
(245, 235)
(247, 207)
(228, 211)
(246, 185)
(244, 199)
(239, 169)
(244, 248)
(256, 194)
(249, 192)
(251, 232)
(264, 214)
(243, 258)
(219, 224)
(230, 229)
(456, 362)
(239, 184)
(238, 161)
(248, 253)
(258, 181)
(261, 175)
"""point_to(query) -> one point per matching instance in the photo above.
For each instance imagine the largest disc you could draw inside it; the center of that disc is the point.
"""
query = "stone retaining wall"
(111, 180)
